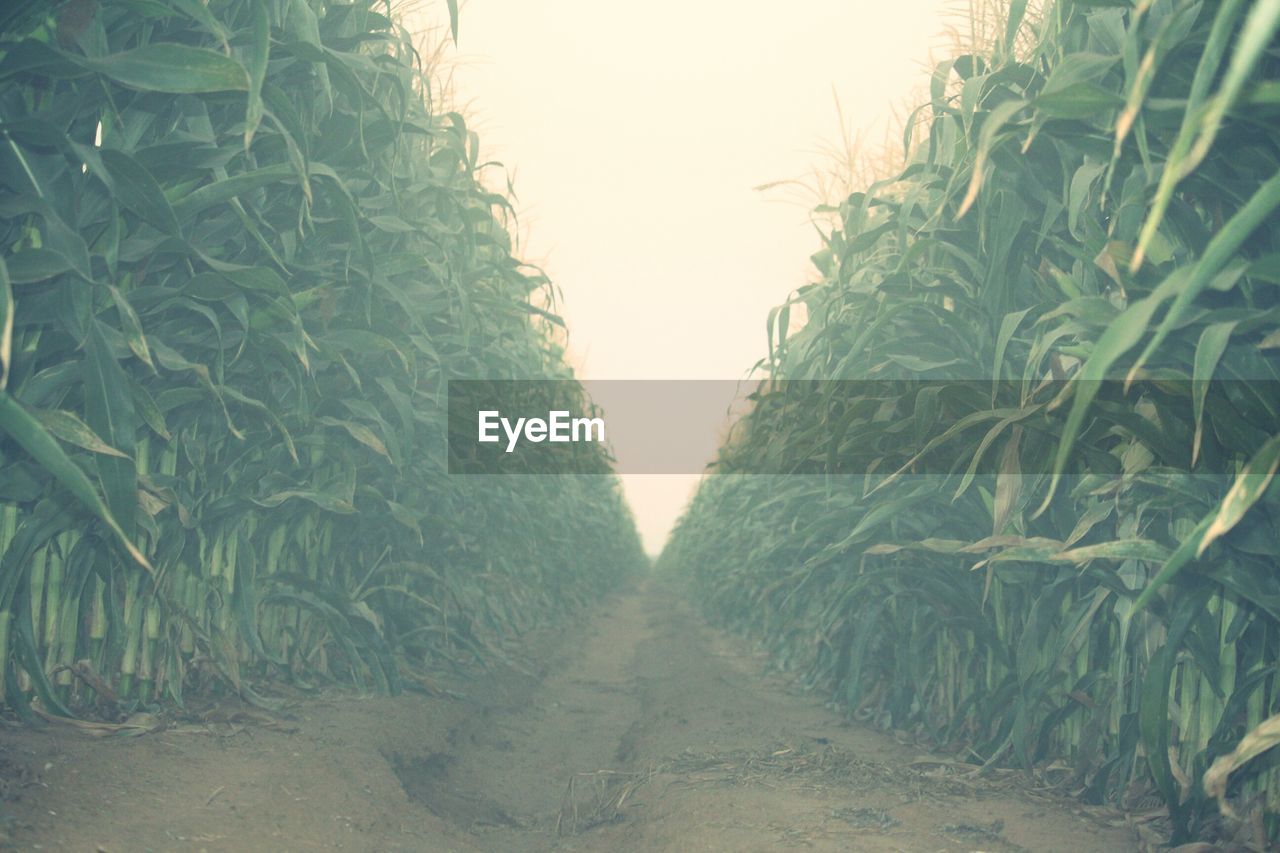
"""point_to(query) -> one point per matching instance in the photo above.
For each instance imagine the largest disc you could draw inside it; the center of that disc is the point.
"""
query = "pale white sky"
(635, 134)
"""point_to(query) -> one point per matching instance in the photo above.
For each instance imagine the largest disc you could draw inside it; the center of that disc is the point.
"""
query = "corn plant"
(241, 255)
(1088, 582)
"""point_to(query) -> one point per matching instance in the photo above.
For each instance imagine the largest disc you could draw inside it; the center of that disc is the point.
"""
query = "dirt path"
(641, 730)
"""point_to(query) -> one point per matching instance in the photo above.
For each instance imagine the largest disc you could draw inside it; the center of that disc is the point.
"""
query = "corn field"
(243, 252)
(1088, 588)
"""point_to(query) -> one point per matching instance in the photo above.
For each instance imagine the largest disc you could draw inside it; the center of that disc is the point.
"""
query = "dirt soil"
(640, 728)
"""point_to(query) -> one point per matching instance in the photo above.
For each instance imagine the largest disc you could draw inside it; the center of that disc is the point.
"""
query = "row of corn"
(242, 253)
(1072, 569)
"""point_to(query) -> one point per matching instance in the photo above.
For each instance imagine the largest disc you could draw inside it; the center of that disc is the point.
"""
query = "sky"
(636, 136)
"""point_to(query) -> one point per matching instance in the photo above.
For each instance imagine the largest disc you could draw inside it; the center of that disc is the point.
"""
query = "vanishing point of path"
(640, 728)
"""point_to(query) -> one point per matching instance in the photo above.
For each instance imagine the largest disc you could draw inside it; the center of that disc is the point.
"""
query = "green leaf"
(405, 516)
(259, 51)
(359, 432)
(37, 57)
(6, 325)
(32, 437)
(32, 265)
(992, 125)
(137, 190)
(1153, 716)
(1079, 101)
(1217, 254)
(198, 11)
(1118, 338)
(332, 503)
(1255, 39)
(1120, 549)
(1212, 344)
(173, 68)
(1249, 485)
(68, 427)
(109, 412)
(225, 189)
(1177, 561)
(1017, 11)
(132, 327)
(1206, 70)
(1258, 740)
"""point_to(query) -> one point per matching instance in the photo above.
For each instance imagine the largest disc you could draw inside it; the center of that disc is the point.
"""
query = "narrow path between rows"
(639, 729)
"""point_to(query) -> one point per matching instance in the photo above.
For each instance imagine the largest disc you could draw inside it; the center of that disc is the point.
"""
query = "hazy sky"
(635, 134)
